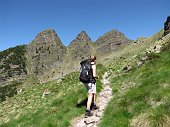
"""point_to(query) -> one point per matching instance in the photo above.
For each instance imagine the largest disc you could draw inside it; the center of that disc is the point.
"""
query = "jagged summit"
(111, 41)
(81, 37)
(46, 51)
(47, 36)
(80, 47)
(109, 36)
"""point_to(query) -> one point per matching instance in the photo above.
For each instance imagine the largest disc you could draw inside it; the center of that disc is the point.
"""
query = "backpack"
(85, 71)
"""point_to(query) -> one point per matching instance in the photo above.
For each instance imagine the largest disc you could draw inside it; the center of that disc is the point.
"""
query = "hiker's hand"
(97, 77)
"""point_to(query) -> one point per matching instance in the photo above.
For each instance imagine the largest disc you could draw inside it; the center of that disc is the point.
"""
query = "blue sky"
(22, 20)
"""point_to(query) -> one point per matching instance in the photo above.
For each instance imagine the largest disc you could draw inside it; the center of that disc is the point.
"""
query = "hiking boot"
(95, 107)
(88, 114)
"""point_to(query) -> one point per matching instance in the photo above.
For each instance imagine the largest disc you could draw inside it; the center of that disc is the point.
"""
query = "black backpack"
(85, 71)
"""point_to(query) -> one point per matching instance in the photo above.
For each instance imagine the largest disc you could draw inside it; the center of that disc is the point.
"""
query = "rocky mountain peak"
(82, 37)
(80, 46)
(47, 36)
(45, 52)
(111, 41)
(109, 36)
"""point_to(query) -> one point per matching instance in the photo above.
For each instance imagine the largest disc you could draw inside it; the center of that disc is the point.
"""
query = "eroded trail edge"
(102, 100)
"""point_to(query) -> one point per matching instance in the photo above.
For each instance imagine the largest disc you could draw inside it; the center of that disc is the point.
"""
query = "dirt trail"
(102, 100)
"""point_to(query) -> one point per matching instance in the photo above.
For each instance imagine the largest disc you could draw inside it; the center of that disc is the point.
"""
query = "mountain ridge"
(47, 52)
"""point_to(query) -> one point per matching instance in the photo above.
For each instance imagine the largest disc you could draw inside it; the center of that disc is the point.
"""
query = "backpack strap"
(93, 63)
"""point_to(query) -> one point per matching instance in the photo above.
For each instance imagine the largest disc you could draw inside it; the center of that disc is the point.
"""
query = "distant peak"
(115, 33)
(82, 37)
(51, 31)
(83, 32)
(47, 36)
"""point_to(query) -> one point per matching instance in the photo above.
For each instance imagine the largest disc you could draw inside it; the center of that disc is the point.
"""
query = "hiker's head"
(92, 58)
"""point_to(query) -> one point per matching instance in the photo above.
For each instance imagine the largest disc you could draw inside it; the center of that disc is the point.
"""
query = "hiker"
(91, 87)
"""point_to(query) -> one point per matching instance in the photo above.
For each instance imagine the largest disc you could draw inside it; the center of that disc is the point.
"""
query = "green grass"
(9, 90)
(149, 95)
(28, 108)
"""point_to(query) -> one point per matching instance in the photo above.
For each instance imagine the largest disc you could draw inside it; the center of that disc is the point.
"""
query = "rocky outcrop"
(167, 26)
(111, 41)
(140, 40)
(45, 52)
(160, 45)
(81, 46)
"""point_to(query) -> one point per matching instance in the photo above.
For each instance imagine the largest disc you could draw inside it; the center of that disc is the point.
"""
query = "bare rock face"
(45, 52)
(167, 26)
(80, 47)
(111, 41)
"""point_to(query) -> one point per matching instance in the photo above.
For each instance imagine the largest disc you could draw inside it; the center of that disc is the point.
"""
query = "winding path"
(102, 100)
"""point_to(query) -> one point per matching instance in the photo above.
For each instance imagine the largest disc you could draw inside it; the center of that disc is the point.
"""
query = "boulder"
(167, 26)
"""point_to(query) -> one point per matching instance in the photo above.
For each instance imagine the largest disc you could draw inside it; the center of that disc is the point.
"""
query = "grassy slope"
(28, 108)
(15, 57)
(141, 97)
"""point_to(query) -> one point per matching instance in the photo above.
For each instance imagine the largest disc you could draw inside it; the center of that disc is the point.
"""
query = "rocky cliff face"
(110, 42)
(167, 26)
(45, 52)
(80, 47)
